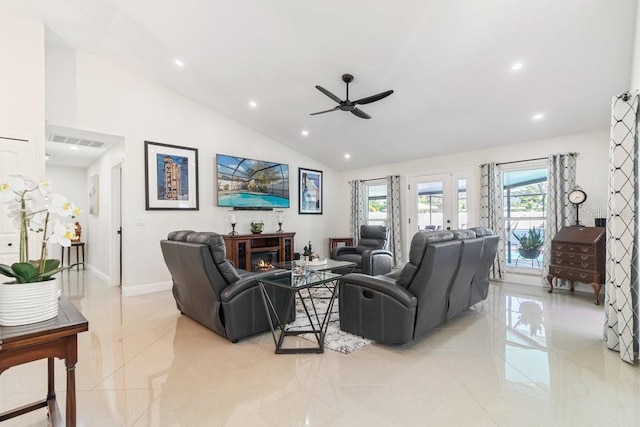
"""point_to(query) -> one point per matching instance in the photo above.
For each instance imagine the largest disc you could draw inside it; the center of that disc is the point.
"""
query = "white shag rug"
(335, 339)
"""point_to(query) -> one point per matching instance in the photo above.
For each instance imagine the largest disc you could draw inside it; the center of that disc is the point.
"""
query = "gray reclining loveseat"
(445, 273)
(208, 288)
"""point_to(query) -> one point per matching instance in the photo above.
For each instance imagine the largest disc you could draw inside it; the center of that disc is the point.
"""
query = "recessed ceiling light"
(73, 147)
(305, 132)
(347, 156)
(253, 104)
(538, 116)
(179, 63)
(516, 66)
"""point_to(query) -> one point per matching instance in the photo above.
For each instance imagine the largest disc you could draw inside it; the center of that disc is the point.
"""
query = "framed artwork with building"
(171, 177)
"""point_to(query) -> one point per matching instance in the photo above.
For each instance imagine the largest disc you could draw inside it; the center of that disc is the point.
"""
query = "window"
(525, 215)
(377, 202)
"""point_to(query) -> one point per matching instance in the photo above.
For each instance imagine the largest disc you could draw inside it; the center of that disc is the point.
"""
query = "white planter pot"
(25, 303)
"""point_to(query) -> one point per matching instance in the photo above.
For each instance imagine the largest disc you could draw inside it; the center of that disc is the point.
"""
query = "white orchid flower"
(62, 234)
(38, 220)
(59, 205)
(11, 189)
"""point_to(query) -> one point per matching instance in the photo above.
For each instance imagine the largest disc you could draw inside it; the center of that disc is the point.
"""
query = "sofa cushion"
(463, 234)
(218, 250)
(180, 235)
(418, 245)
(482, 231)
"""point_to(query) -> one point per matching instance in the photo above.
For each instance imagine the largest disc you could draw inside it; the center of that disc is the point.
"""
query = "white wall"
(71, 183)
(592, 170)
(113, 100)
(22, 85)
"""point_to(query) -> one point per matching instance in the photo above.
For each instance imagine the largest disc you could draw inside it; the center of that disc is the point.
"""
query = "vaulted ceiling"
(448, 61)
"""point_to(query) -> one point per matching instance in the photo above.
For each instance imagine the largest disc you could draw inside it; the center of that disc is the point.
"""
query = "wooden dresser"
(578, 255)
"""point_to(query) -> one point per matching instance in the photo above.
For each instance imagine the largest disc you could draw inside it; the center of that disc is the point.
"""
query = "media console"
(246, 250)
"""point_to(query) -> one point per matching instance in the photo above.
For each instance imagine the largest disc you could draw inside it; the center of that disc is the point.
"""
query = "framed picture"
(171, 176)
(309, 191)
(94, 195)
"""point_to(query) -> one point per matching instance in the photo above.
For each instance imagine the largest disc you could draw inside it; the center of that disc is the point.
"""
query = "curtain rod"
(520, 161)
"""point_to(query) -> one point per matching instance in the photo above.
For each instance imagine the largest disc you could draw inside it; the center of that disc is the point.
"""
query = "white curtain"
(491, 211)
(358, 202)
(621, 290)
(561, 173)
(393, 218)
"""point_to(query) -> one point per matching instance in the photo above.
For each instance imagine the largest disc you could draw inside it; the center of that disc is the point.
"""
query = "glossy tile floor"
(521, 358)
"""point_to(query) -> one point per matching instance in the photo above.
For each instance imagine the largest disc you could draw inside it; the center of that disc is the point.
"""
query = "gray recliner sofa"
(369, 254)
(434, 286)
(209, 289)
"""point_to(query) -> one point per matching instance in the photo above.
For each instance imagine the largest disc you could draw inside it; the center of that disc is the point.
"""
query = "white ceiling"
(449, 62)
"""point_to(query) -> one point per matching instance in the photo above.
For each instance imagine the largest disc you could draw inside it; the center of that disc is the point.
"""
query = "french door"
(437, 202)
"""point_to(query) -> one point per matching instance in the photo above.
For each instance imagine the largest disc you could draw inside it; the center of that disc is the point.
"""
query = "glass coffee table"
(298, 280)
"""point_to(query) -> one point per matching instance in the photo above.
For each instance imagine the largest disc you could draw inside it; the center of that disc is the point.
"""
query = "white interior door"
(11, 153)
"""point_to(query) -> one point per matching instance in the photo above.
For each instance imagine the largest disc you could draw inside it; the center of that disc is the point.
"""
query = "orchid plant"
(33, 207)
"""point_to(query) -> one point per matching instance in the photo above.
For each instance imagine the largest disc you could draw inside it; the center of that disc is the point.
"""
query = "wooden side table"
(334, 242)
(78, 246)
(50, 339)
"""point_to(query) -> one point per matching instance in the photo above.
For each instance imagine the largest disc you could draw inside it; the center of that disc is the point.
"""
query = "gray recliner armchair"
(369, 255)
(208, 288)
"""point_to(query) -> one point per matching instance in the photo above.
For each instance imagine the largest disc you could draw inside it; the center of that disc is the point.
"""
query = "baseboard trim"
(129, 291)
(104, 277)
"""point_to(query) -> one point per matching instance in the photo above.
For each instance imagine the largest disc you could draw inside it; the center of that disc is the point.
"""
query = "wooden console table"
(57, 337)
(578, 255)
(241, 247)
(334, 242)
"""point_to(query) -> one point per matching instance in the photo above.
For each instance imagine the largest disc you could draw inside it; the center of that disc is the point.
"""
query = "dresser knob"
(9, 244)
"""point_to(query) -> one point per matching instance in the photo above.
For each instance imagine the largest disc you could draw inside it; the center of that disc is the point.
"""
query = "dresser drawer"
(574, 256)
(572, 247)
(588, 264)
(575, 275)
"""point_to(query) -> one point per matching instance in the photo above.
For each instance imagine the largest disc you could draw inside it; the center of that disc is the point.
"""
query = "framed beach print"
(309, 191)
(171, 176)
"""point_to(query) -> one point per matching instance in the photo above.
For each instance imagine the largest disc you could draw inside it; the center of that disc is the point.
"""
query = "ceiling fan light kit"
(348, 105)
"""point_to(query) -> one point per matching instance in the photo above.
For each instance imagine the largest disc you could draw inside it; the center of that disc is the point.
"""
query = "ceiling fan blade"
(358, 112)
(373, 98)
(329, 94)
(326, 111)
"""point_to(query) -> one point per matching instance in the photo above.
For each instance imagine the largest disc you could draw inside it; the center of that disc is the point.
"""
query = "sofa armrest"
(381, 284)
(376, 262)
(341, 250)
(246, 282)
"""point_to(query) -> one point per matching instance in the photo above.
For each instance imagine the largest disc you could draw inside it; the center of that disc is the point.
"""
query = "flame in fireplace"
(264, 265)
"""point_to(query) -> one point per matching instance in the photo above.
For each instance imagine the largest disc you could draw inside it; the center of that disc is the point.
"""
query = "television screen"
(252, 184)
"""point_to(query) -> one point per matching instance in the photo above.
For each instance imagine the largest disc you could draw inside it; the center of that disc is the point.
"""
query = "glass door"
(438, 202)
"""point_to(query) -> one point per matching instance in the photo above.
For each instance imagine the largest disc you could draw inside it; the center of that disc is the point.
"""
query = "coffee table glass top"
(330, 265)
(310, 278)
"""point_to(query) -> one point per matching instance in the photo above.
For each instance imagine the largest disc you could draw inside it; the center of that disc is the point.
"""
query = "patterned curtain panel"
(393, 217)
(621, 290)
(491, 211)
(561, 172)
(358, 200)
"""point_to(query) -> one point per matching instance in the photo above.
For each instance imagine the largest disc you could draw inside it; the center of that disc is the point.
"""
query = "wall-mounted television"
(252, 184)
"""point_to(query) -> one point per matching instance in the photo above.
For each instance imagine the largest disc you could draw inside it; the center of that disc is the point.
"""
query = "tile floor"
(521, 358)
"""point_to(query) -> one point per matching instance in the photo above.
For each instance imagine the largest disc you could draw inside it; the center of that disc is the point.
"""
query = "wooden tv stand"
(242, 247)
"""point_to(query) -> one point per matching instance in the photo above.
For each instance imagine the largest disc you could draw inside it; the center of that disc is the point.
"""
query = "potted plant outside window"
(530, 243)
(31, 294)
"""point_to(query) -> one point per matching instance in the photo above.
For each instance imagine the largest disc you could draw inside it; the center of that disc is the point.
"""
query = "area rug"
(335, 339)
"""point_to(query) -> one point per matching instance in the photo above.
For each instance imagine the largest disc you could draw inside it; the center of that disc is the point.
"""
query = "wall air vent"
(77, 141)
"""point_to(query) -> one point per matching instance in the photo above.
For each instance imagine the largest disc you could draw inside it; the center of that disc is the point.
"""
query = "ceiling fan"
(352, 106)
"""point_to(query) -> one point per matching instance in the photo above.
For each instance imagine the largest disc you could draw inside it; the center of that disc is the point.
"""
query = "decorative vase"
(25, 303)
(256, 227)
(529, 253)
